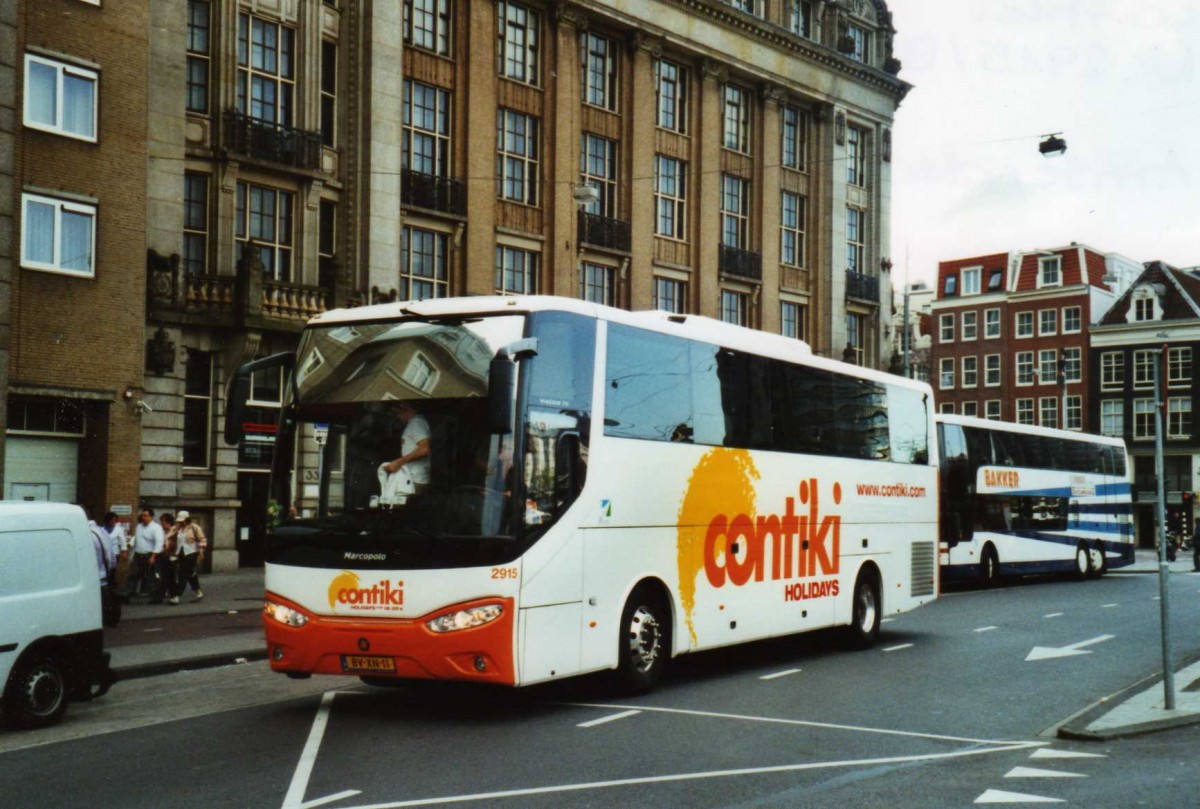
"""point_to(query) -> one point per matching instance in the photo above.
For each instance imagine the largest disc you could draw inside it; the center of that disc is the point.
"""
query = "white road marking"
(1052, 615)
(1034, 772)
(986, 628)
(153, 629)
(1050, 752)
(295, 794)
(691, 776)
(779, 674)
(1047, 652)
(349, 793)
(610, 718)
(886, 620)
(1106, 606)
(897, 648)
(999, 796)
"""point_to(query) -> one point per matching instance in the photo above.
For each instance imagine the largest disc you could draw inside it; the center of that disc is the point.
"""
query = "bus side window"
(958, 484)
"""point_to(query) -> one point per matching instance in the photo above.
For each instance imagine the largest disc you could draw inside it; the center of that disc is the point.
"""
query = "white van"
(51, 640)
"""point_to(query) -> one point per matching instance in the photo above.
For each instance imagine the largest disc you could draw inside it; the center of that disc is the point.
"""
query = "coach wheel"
(644, 643)
(1098, 560)
(37, 692)
(989, 567)
(864, 622)
(1083, 562)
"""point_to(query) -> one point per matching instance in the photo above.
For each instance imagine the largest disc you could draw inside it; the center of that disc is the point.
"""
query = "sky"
(1119, 79)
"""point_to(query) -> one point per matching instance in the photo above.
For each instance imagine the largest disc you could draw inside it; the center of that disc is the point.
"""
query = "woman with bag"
(190, 544)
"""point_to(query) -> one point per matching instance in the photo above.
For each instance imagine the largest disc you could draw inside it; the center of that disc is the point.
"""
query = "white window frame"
(679, 290)
(1047, 327)
(946, 407)
(598, 283)
(992, 368)
(970, 326)
(670, 195)
(1048, 405)
(1072, 313)
(1143, 368)
(970, 280)
(668, 74)
(518, 52)
(1179, 411)
(1024, 411)
(791, 228)
(970, 372)
(1112, 417)
(524, 264)
(991, 323)
(1045, 277)
(599, 57)
(1074, 417)
(525, 190)
(1021, 319)
(1143, 419)
(735, 126)
(421, 373)
(61, 71)
(735, 307)
(1025, 366)
(793, 131)
(428, 25)
(1047, 365)
(1179, 367)
(970, 408)
(1112, 370)
(1073, 364)
(991, 409)
(55, 265)
(946, 373)
(735, 211)
(946, 328)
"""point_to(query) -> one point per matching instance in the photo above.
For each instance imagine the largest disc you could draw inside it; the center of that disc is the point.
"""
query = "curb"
(138, 671)
(1076, 728)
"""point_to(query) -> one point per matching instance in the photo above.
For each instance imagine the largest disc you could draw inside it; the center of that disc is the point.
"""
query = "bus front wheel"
(989, 567)
(644, 643)
(866, 612)
(1083, 562)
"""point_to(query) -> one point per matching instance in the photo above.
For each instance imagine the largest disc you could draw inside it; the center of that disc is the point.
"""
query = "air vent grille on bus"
(923, 560)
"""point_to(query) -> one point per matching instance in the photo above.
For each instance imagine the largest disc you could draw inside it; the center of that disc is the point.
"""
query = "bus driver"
(409, 473)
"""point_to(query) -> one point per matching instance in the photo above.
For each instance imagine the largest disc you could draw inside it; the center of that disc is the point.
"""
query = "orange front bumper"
(480, 654)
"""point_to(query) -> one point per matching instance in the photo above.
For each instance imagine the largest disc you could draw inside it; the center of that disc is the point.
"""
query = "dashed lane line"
(779, 674)
(897, 648)
(1000, 796)
(610, 718)
(986, 628)
(1052, 615)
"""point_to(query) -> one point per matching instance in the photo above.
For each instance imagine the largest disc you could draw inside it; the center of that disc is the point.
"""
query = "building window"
(1024, 367)
(60, 98)
(791, 247)
(736, 103)
(991, 323)
(420, 373)
(970, 408)
(1112, 417)
(1024, 411)
(195, 223)
(598, 169)
(856, 235)
(58, 236)
(328, 93)
(795, 138)
(599, 70)
(946, 328)
(856, 156)
(1143, 368)
(950, 286)
(197, 56)
(735, 307)
(793, 318)
(425, 129)
(970, 325)
(995, 278)
(1143, 309)
(856, 337)
(1024, 324)
(1072, 320)
(1074, 413)
(1050, 271)
(266, 83)
(971, 281)
(747, 6)
(516, 271)
(669, 295)
(671, 90)
(1179, 366)
(518, 49)
(1112, 370)
(670, 197)
(735, 211)
(1047, 322)
(1143, 419)
(800, 17)
(1179, 417)
(970, 372)
(427, 25)
(991, 409)
(517, 157)
(197, 410)
(1073, 364)
(598, 284)
(1048, 407)
(423, 272)
(946, 407)
(991, 370)
(946, 373)
(861, 40)
(264, 218)
(1048, 366)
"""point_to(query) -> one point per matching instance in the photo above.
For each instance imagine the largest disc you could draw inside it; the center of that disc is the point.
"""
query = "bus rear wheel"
(1083, 562)
(865, 612)
(989, 567)
(644, 642)
(1098, 559)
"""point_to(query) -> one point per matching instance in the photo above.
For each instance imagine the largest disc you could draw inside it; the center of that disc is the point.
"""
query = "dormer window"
(971, 281)
(1050, 271)
(950, 286)
(995, 278)
(1143, 309)
(858, 43)
(1144, 305)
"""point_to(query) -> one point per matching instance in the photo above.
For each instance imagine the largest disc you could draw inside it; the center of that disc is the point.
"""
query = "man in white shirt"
(147, 545)
(414, 445)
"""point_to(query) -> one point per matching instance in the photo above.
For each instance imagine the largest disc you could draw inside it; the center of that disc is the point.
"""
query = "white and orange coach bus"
(603, 489)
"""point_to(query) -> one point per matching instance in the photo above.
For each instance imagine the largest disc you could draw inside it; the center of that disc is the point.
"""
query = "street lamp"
(1053, 145)
(1164, 589)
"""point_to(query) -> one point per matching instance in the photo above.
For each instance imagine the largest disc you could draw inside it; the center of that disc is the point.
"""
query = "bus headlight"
(284, 615)
(465, 619)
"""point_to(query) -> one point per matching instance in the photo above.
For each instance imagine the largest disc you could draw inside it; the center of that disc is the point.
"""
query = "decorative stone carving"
(160, 353)
(887, 145)
(650, 44)
(774, 93)
(162, 276)
(710, 68)
(839, 128)
(571, 14)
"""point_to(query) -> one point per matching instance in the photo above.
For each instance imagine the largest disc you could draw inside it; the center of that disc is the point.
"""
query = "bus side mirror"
(235, 407)
(502, 380)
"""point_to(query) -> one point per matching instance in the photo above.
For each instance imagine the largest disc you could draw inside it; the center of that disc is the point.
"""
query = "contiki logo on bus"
(346, 590)
(735, 545)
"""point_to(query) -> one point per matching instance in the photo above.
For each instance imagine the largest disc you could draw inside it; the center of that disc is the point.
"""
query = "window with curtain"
(60, 98)
(58, 235)
(198, 56)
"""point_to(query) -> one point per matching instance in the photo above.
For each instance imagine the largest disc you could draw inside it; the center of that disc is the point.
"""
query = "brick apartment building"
(275, 158)
(1010, 332)
(72, 226)
(1155, 322)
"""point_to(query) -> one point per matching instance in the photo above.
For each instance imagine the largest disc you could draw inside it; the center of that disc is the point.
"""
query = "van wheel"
(1083, 562)
(989, 567)
(37, 692)
(644, 642)
(864, 621)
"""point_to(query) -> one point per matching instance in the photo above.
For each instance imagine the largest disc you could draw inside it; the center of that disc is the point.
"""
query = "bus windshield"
(391, 433)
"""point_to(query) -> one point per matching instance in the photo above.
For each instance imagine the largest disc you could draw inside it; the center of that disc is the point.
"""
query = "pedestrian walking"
(106, 566)
(191, 544)
(167, 560)
(148, 540)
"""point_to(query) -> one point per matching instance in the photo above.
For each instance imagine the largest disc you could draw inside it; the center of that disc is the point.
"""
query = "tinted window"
(561, 373)
(648, 386)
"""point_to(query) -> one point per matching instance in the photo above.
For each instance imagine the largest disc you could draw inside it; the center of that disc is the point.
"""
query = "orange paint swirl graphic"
(342, 581)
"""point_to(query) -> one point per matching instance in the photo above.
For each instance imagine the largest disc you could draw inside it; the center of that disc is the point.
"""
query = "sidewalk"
(1146, 561)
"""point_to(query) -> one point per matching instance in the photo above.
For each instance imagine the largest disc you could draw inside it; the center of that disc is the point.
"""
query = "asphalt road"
(946, 711)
